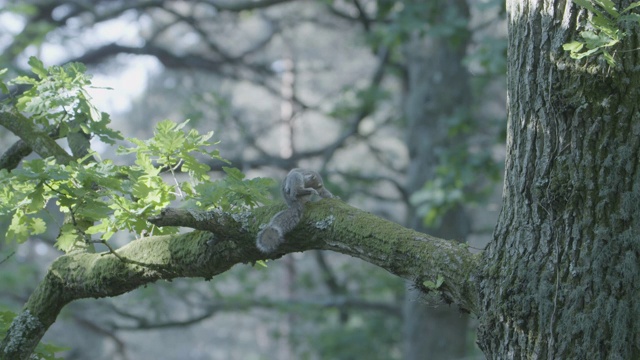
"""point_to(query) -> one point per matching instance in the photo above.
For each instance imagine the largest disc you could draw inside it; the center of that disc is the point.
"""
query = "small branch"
(237, 6)
(366, 23)
(111, 251)
(7, 258)
(40, 142)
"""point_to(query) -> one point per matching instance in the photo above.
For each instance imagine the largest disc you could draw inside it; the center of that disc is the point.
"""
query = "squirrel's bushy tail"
(269, 239)
(283, 222)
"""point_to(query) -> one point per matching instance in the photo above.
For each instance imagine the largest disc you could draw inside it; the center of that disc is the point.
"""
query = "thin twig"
(105, 243)
(8, 257)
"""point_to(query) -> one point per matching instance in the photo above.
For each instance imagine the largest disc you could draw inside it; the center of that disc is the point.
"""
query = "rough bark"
(229, 240)
(562, 276)
(437, 89)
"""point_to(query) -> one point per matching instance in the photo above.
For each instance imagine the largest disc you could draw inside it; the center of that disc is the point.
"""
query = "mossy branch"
(230, 240)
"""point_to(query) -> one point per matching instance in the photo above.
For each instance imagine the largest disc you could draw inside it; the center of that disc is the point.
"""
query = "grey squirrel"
(297, 189)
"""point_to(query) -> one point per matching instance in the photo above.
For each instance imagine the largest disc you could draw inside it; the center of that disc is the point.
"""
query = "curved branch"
(339, 227)
(328, 225)
(165, 57)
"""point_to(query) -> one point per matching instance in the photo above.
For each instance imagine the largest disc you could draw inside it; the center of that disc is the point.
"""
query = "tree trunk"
(437, 89)
(562, 277)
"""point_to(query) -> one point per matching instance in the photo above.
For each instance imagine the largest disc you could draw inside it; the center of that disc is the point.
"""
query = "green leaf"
(574, 46)
(18, 229)
(144, 162)
(606, 25)
(197, 169)
(3, 86)
(233, 173)
(434, 285)
(38, 226)
(105, 227)
(607, 56)
(609, 7)
(594, 41)
(581, 55)
(37, 199)
(94, 210)
(24, 80)
(67, 238)
(587, 5)
(23, 226)
(631, 7)
(429, 284)
(37, 67)
(603, 22)
(170, 141)
(630, 17)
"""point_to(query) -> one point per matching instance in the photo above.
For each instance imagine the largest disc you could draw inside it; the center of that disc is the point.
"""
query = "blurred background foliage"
(398, 104)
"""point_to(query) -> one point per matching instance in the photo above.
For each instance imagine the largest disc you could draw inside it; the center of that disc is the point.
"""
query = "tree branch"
(236, 6)
(339, 227)
(19, 150)
(38, 141)
(328, 225)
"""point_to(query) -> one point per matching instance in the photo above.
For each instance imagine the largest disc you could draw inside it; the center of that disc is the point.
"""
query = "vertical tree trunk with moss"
(437, 89)
(562, 276)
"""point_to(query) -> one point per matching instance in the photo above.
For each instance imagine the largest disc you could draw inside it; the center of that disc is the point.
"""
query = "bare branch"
(236, 6)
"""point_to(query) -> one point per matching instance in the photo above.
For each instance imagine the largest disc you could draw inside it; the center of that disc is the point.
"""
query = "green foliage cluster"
(99, 196)
(57, 97)
(607, 23)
